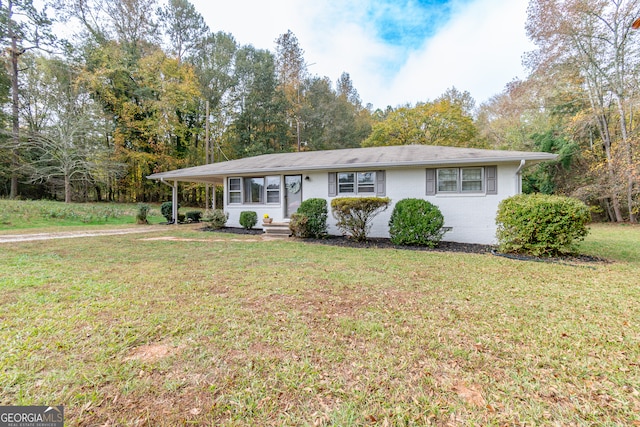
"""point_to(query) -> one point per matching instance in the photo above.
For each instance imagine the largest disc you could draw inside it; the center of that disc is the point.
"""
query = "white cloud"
(478, 50)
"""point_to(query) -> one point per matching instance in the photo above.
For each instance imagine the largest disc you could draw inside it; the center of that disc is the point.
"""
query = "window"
(366, 182)
(471, 179)
(356, 183)
(273, 189)
(254, 190)
(346, 182)
(235, 190)
(462, 180)
(448, 180)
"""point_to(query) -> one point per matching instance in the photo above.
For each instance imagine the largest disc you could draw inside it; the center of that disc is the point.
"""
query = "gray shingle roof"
(351, 159)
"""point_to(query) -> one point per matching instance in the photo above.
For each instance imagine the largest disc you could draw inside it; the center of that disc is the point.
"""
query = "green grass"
(219, 329)
(16, 215)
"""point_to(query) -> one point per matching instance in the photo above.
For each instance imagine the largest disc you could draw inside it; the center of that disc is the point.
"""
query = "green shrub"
(416, 222)
(354, 214)
(298, 225)
(143, 211)
(248, 219)
(541, 225)
(166, 209)
(193, 216)
(310, 220)
(215, 219)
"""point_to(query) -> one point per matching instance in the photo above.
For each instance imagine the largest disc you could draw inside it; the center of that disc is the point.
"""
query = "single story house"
(465, 183)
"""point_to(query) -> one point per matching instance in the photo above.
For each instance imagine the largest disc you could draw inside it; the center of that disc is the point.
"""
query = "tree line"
(142, 87)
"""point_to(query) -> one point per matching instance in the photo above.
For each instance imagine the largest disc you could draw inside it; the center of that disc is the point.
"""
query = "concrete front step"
(277, 229)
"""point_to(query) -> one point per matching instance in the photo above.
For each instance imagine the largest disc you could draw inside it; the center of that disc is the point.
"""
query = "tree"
(21, 35)
(151, 105)
(595, 39)
(62, 148)
(214, 65)
(184, 26)
(259, 124)
(129, 22)
(347, 91)
(291, 70)
(441, 122)
(329, 120)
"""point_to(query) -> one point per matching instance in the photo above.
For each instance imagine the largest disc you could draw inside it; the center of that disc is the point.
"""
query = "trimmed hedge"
(248, 219)
(310, 220)
(416, 222)
(354, 214)
(541, 225)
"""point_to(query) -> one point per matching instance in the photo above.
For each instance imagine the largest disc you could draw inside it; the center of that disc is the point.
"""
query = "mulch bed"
(468, 248)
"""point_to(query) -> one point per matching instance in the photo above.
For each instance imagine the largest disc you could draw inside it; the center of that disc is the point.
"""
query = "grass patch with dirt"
(220, 329)
(29, 214)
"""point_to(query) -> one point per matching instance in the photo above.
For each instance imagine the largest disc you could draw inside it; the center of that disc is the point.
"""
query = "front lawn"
(180, 327)
(30, 214)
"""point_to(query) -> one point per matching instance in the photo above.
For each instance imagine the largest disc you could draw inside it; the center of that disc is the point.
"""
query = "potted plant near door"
(266, 219)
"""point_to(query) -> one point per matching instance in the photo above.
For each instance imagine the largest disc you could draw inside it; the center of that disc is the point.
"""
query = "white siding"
(470, 216)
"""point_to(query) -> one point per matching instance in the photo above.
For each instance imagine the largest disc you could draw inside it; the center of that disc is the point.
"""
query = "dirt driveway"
(27, 237)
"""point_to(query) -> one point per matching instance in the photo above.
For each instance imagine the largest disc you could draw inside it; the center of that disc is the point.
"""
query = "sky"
(395, 51)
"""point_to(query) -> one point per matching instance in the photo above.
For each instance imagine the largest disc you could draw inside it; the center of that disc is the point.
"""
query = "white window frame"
(463, 181)
(235, 192)
(351, 183)
(459, 174)
(241, 194)
(272, 191)
(355, 183)
(439, 182)
(247, 184)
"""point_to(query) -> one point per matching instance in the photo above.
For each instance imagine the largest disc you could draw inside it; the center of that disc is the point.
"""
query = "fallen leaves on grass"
(469, 394)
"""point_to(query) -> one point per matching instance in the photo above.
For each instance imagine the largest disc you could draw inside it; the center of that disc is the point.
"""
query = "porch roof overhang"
(402, 156)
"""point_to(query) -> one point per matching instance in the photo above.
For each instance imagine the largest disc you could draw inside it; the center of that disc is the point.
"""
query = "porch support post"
(174, 202)
(174, 199)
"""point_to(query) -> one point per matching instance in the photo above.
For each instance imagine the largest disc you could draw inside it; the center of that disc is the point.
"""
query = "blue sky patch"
(408, 23)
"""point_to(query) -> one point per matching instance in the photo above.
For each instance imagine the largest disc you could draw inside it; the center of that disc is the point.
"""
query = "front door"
(292, 194)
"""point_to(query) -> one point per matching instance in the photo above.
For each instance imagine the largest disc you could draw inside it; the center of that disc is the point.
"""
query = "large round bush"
(541, 225)
(310, 220)
(416, 222)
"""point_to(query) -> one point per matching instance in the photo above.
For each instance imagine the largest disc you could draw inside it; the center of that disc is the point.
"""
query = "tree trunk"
(15, 135)
(628, 157)
(67, 188)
